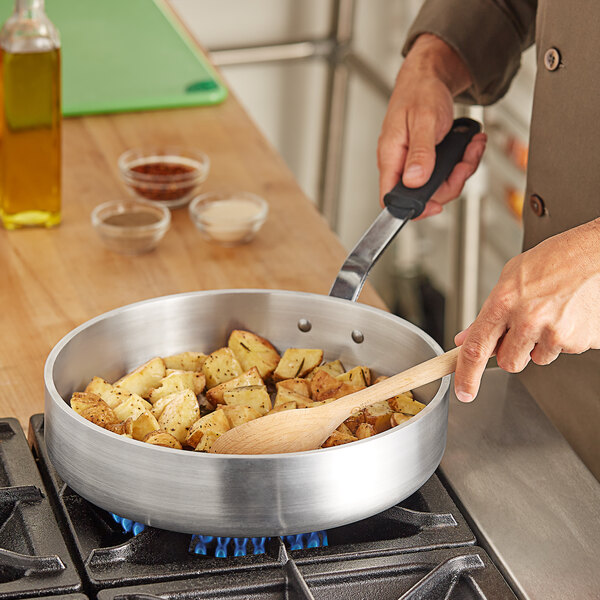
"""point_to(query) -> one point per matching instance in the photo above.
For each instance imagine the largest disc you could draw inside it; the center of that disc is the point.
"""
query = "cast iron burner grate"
(34, 559)
(449, 574)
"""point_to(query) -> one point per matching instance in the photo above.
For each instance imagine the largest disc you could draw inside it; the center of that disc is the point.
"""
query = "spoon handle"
(416, 376)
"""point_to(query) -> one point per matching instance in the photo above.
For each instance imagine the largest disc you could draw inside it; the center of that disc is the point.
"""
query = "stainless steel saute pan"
(264, 495)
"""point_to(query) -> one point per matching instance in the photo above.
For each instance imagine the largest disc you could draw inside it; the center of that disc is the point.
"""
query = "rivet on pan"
(304, 325)
(358, 336)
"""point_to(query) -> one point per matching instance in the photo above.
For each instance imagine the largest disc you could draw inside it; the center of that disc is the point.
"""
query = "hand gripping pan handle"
(401, 205)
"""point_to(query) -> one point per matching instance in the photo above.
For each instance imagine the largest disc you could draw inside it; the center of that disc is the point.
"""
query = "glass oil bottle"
(30, 119)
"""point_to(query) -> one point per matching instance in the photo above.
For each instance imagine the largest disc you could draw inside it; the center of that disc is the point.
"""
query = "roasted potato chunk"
(254, 396)
(334, 369)
(364, 430)
(405, 404)
(216, 395)
(177, 381)
(220, 366)
(125, 428)
(113, 396)
(379, 415)
(185, 361)
(144, 379)
(133, 407)
(251, 350)
(91, 407)
(325, 387)
(162, 438)
(359, 377)
(354, 420)
(215, 423)
(239, 414)
(398, 419)
(285, 406)
(297, 385)
(337, 438)
(179, 415)
(297, 362)
(206, 442)
(146, 423)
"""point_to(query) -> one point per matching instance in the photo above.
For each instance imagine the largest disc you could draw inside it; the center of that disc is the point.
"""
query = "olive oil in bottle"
(30, 123)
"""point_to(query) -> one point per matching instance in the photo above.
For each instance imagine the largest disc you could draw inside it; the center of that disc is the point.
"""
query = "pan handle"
(402, 204)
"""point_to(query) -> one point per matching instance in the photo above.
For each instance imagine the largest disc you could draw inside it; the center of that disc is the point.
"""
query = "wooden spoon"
(307, 428)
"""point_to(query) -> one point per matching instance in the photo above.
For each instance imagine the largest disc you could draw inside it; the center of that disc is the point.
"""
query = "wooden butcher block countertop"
(54, 280)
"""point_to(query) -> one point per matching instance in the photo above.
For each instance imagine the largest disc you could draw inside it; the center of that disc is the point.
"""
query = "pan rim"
(63, 406)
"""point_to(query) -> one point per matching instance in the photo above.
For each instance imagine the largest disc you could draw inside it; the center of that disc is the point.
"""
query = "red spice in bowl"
(169, 176)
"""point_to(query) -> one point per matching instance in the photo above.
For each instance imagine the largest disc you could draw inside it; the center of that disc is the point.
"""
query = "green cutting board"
(126, 55)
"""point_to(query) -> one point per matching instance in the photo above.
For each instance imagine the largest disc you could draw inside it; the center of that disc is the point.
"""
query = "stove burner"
(220, 546)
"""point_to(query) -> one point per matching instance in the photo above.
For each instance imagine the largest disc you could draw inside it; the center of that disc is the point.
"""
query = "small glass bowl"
(228, 218)
(167, 175)
(131, 226)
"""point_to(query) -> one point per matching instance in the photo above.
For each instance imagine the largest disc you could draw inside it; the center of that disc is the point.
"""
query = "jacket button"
(552, 59)
(537, 205)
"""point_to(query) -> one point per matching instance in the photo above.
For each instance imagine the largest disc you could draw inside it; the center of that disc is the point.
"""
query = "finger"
(544, 355)
(391, 155)
(476, 349)
(420, 158)
(459, 338)
(453, 186)
(514, 351)
(431, 208)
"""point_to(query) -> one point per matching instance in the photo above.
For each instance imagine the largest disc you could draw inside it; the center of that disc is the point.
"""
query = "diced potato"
(285, 406)
(251, 350)
(91, 407)
(285, 395)
(398, 419)
(250, 377)
(239, 414)
(144, 379)
(337, 438)
(354, 420)
(344, 429)
(255, 396)
(214, 423)
(220, 366)
(179, 415)
(380, 379)
(359, 377)
(334, 369)
(97, 386)
(161, 404)
(199, 381)
(162, 438)
(325, 387)
(297, 362)
(364, 430)
(143, 425)
(206, 442)
(297, 385)
(125, 428)
(185, 361)
(379, 415)
(176, 381)
(113, 396)
(132, 407)
(405, 404)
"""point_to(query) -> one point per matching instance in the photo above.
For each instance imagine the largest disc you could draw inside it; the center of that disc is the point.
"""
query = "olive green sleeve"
(489, 35)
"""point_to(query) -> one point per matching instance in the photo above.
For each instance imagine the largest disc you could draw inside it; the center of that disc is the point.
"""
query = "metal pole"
(335, 111)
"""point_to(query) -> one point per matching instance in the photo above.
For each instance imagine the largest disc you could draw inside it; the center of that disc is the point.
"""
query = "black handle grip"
(404, 202)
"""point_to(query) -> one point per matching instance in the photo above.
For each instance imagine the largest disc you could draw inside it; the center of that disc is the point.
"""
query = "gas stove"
(53, 543)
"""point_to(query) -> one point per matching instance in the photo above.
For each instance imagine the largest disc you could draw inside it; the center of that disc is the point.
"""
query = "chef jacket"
(563, 183)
